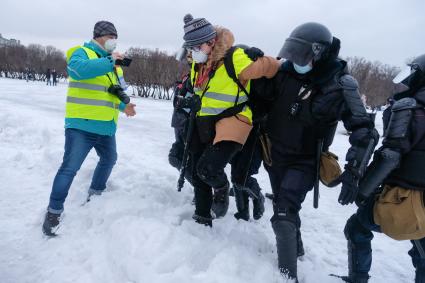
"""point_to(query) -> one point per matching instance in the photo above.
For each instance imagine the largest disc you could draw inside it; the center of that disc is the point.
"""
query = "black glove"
(192, 102)
(254, 53)
(349, 188)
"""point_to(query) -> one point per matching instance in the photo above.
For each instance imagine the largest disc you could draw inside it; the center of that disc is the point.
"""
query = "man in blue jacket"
(92, 108)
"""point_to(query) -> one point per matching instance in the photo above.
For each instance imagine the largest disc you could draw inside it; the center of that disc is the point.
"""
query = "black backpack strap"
(230, 69)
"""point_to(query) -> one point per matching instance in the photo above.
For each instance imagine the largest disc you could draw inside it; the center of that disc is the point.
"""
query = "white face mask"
(199, 56)
(110, 45)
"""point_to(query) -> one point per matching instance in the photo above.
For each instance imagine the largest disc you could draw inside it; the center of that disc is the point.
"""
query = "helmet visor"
(403, 75)
(297, 51)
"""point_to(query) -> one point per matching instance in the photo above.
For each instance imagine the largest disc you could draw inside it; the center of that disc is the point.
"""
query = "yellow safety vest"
(222, 91)
(89, 99)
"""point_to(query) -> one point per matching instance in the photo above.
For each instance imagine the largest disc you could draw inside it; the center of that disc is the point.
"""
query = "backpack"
(261, 96)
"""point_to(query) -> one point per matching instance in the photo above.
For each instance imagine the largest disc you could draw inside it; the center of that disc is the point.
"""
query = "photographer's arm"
(80, 67)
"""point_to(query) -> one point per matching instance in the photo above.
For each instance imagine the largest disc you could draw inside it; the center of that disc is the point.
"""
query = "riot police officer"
(396, 174)
(313, 92)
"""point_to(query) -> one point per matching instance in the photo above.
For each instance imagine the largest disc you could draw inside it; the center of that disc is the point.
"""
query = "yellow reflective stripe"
(80, 85)
(226, 97)
(91, 102)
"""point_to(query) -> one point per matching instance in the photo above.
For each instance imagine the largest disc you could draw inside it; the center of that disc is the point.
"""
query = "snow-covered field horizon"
(140, 229)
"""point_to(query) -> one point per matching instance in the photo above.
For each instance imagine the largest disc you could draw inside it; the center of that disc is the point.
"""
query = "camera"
(125, 62)
(120, 93)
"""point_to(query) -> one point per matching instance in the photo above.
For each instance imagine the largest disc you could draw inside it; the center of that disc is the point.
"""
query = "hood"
(224, 41)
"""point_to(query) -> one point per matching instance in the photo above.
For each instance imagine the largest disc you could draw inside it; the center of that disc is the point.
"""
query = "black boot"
(220, 203)
(51, 224)
(300, 245)
(420, 275)
(258, 204)
(242, 203)
(286, 243)
(353, 276)
(207, 221)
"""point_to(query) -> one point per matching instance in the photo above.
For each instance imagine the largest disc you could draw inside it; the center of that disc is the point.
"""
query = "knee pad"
(206, 172)
(354, 230)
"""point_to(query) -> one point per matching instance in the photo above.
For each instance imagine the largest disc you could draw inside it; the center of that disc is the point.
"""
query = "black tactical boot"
(220, 203)
(300, 245)
(286, 243)
(242, 203)
(353, 276)
(258, 204)
(420, 275)
(51, 224)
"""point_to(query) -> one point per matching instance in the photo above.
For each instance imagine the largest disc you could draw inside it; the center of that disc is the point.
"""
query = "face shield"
(297, 51)
(403, 75)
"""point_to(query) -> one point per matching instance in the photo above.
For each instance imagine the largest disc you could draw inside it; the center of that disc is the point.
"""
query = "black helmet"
(413, 74)
(307, 42)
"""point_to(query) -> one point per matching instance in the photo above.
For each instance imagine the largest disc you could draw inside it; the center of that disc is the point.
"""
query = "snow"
(140, 229)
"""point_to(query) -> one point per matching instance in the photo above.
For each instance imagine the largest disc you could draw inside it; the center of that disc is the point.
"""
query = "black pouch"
(205, 126)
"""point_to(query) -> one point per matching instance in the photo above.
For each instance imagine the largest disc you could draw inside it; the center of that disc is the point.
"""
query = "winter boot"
(220, 203)
(258, 204)
(207, 221)
(51, 224)
(286, 243)
(242, 203)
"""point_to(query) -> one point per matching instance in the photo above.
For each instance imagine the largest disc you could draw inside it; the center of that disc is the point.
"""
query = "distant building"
(9, 42)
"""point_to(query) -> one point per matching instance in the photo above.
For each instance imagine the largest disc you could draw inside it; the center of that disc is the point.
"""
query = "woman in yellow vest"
(91, 117)
(219, 132)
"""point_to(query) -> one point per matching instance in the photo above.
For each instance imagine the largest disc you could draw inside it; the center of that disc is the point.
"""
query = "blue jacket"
(81, 68)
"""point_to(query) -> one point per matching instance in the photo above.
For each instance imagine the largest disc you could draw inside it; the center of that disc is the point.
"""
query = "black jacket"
(410, 172)
(334, 96)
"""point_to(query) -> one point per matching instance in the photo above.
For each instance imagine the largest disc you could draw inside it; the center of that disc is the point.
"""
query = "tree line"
(153, 73)
(32, 61)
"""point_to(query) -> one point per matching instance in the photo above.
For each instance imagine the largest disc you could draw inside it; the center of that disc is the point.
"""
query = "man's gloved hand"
(254, 53)
(192, 102)
(349, 188)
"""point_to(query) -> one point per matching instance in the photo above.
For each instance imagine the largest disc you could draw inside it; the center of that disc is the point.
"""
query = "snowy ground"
(141, 229)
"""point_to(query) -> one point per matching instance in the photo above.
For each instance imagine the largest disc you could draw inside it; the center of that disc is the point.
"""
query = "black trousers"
(208, 172)
(247, 162)
(291, 177)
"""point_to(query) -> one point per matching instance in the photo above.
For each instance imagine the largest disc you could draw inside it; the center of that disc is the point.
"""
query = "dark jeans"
(358, 232)
(209, 172)
(77, 145)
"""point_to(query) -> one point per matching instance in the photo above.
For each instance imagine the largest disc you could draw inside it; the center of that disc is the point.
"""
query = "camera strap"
(115, 70)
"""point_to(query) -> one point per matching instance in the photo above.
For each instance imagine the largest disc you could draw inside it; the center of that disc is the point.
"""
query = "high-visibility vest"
(89, 99)
(222, 92)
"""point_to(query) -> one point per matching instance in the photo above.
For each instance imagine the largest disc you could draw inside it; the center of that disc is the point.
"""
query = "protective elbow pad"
(384, 162)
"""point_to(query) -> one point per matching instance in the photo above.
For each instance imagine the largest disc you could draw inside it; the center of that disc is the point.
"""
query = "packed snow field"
(140, 229)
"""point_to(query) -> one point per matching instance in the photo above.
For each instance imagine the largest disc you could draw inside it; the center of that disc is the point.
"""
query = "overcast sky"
(386, 30)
